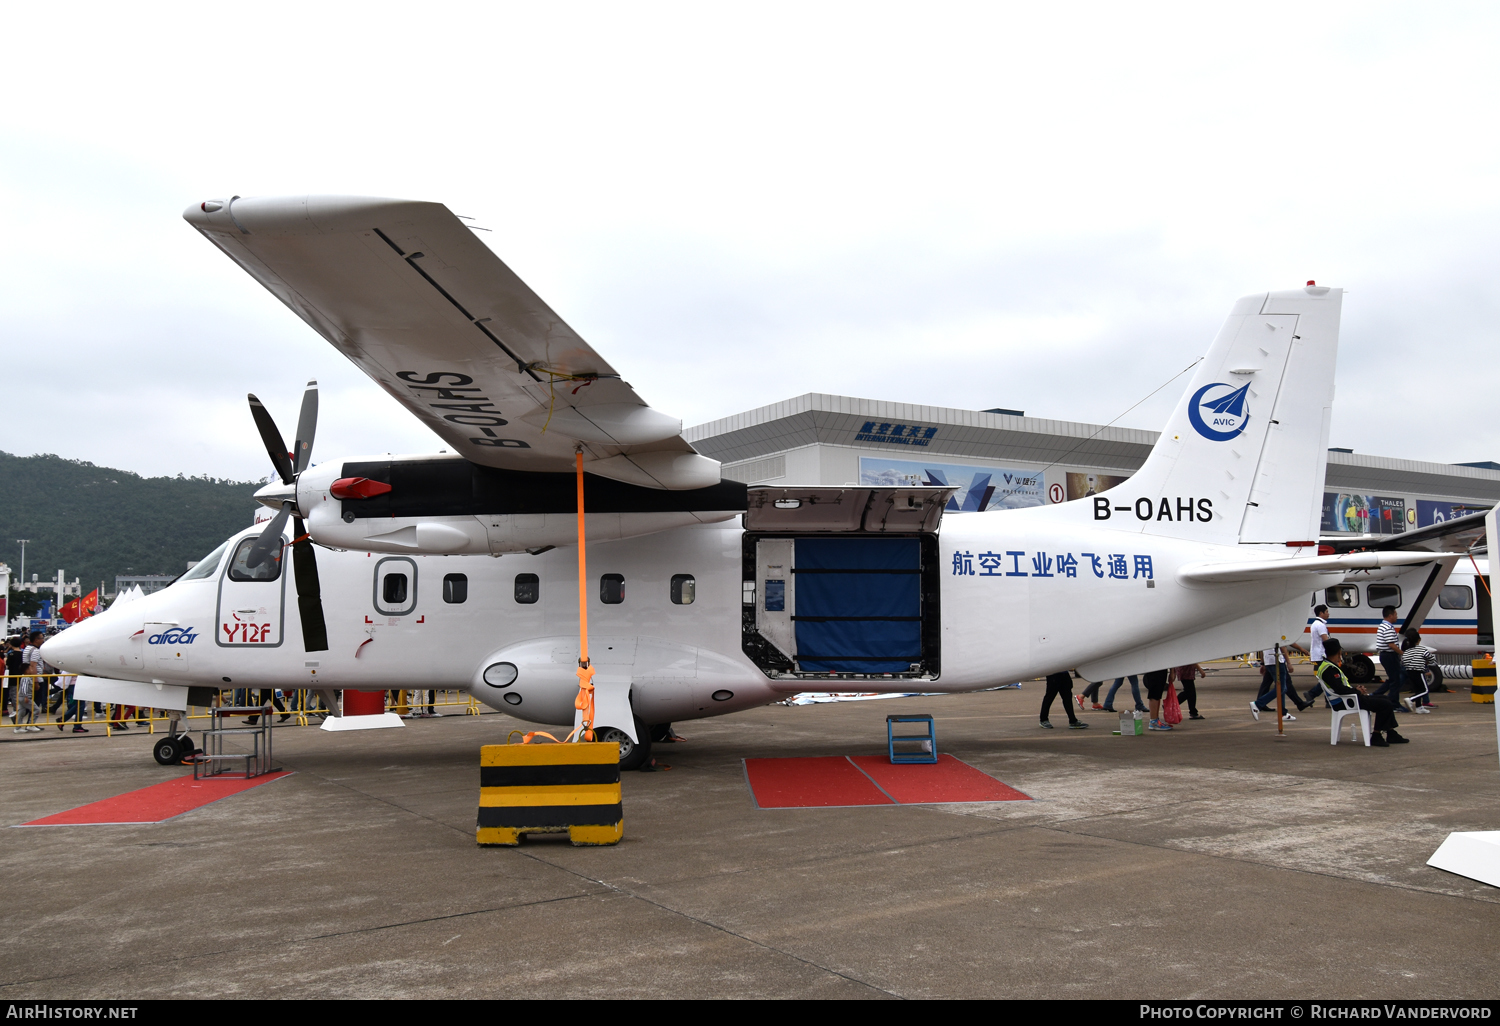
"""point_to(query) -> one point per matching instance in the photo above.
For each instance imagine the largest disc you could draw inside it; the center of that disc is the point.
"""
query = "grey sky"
(1037, 206)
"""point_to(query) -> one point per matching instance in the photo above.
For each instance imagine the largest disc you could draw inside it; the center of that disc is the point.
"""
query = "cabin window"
(684, 589)
(611, 589)
(1456, 596)
(395, 586)
(455, 588)
(393, 590)
(1344, 596)
(1379, 595)
(528, 588)
(268, 570)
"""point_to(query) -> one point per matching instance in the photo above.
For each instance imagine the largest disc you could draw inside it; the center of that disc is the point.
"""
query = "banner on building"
(980, 488)
(1434, 511)
(1348, 513)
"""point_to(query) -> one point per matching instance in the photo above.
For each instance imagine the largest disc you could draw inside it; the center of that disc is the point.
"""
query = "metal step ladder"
(213, 761)
(913, 747)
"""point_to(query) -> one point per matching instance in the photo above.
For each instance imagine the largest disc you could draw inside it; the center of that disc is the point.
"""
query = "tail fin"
(1243, 456)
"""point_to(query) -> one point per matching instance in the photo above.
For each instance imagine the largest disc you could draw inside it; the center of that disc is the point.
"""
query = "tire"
(167, 752)
(1359, 668)
(185, 747)
(632, 756)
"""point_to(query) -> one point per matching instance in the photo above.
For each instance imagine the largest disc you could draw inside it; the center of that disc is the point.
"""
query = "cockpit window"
(268, 570)
(206, 566)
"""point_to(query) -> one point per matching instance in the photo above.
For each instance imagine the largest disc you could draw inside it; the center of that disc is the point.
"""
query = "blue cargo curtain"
(859, 604)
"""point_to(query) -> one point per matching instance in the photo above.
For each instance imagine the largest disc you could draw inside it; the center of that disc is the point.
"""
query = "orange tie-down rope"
(584, 703)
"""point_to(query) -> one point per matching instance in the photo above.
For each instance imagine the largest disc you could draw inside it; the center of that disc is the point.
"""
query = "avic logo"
(173, 636)
(1219, 416)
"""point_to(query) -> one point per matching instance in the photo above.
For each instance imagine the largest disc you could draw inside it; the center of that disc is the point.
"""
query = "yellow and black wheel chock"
(550, 789)
(1482, 691)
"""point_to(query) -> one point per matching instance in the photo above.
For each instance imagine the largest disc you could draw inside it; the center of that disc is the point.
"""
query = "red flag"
(77, 609)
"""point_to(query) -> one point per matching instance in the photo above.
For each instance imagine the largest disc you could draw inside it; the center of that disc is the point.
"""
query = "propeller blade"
(269, 541)
(275, 447)
(307, 425)
(309, 592)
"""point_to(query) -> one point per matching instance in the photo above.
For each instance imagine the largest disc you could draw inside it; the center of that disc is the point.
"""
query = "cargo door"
(251, 600)
(858, 605)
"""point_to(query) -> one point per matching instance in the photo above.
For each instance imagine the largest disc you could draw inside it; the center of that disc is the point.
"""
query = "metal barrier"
(50, 707)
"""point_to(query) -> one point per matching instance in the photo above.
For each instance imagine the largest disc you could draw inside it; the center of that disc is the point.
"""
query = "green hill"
(94, 522)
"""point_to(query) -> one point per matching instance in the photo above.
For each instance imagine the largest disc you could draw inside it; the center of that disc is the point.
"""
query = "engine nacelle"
(445, 505)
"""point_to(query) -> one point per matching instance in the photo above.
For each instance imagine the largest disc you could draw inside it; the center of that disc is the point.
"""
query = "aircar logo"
(173, 636)
(1221, 417)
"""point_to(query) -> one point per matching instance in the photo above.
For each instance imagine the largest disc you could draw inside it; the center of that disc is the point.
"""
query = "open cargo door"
(842, 583)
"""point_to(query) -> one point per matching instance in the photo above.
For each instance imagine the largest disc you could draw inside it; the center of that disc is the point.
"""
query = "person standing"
(1388, 647)
(1135, 692)
(1060, 685)
(31, 660)
(1317, 632)
(1331, 673)
(74, 710)
(1277, 675)
(1156, 687)
(1186, 675)
(13, 670)
(1091, 693)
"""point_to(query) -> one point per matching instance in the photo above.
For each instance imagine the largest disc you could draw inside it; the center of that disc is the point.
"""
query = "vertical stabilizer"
(1243, 456)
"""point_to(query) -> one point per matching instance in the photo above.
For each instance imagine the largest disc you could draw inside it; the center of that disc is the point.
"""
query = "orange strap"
(584, 703)
(527, 739)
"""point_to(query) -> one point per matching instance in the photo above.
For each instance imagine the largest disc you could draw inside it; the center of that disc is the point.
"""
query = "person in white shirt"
(1388, 647)
(31, 658)
(1316, 649)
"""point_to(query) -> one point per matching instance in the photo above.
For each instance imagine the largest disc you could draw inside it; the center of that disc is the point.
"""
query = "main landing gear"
(632, 756)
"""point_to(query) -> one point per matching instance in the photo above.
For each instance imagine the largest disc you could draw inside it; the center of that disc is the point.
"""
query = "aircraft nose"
(69, 650)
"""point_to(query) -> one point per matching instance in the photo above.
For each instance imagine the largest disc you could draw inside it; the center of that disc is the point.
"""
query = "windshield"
(206, 566)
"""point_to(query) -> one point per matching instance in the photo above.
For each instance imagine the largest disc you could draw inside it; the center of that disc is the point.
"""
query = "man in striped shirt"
(1388, 647)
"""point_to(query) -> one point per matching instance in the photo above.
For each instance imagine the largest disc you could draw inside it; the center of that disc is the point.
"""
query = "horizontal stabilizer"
(1244, 571)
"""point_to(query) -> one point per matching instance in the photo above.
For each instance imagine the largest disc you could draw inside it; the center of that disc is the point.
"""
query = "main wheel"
(167, 752)
(632, 756)
(1359, 669)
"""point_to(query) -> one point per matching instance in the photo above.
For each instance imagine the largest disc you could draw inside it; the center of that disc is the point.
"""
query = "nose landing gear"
(170, 751)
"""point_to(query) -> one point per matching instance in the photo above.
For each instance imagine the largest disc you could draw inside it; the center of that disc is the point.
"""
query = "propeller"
(288, 465)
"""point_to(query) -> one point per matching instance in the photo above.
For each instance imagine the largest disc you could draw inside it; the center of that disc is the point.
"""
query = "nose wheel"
(170, 751)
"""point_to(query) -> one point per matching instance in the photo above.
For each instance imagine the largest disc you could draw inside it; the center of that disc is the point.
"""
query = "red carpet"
(947, 780)
(834, 781)
(155, 803)
(826, 781)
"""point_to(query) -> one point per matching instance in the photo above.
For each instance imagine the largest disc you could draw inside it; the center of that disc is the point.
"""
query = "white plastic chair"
(1345, 705)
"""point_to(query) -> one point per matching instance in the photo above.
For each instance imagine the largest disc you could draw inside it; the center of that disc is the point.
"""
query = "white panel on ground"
(373, 722)
(1475, 855)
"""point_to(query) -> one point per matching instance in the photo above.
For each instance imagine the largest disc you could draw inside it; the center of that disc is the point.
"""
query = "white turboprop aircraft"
(705, 597)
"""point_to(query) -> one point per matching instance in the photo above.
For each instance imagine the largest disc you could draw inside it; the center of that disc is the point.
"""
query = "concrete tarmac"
(1211, 862)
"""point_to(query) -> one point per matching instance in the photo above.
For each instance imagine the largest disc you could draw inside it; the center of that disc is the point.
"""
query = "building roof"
(817, 418)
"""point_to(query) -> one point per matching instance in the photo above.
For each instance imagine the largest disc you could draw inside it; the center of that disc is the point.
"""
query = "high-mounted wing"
(1246, 571)
(1455, 535)
(406, 291)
